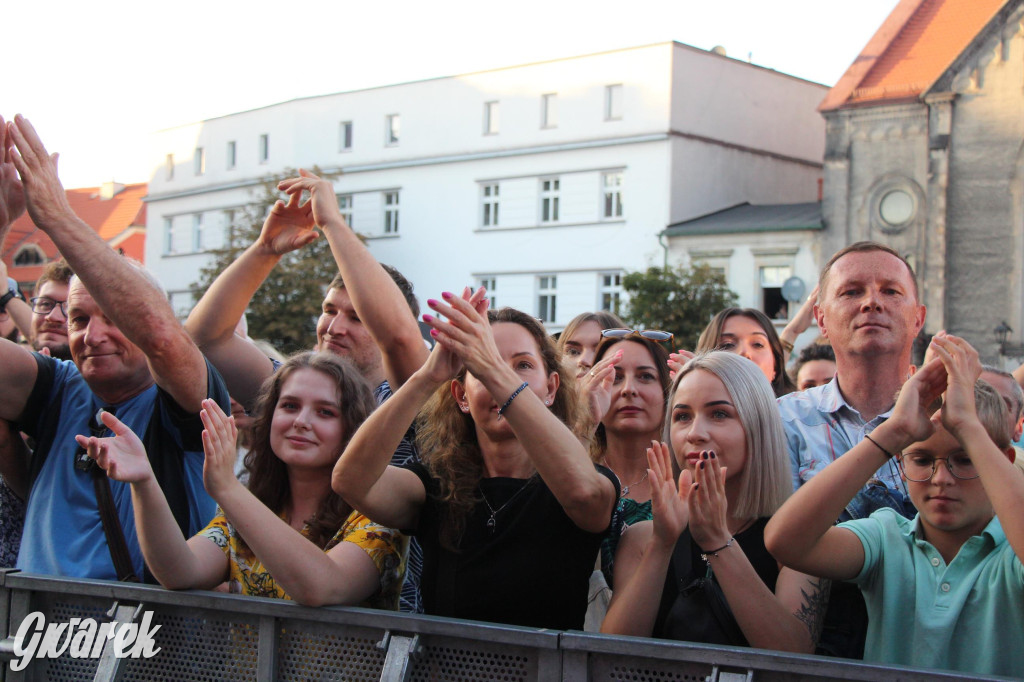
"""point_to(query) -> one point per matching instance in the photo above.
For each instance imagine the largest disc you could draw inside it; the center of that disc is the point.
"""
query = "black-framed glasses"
(649, 334)
(43, 305)
(920, 468)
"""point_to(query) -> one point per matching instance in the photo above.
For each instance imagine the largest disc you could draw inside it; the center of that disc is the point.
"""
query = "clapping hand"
(219, 443)
(597, 385)
(467, 332)
(963, 368)
(12, 193)
(43, 194)
(122, 456)
(708, 505)
(668, 503)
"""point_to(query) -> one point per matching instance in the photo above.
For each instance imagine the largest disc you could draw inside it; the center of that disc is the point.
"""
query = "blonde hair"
(765, 481)
(991, 411)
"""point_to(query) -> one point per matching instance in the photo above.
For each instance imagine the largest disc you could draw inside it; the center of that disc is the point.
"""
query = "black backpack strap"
(46, 430)
(112, 527)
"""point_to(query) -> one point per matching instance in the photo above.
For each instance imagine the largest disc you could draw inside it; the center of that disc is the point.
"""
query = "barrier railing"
(222, 638)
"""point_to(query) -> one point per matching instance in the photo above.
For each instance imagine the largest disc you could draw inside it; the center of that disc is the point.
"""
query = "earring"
(548, 402)
(464, 408)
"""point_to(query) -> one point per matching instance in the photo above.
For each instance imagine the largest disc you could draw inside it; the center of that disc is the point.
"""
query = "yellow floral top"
(247, 575)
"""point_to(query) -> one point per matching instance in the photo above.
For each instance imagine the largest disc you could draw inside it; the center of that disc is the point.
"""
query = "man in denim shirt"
(868, 307)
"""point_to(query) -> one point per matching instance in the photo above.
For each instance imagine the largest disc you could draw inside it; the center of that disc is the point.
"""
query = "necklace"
(625, 490)
(491, 523)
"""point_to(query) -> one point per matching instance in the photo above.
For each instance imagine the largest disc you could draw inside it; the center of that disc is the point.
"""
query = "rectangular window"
(390, 212)
(611, 291)
(199, 161)
(489, 198)
(264, 147)
(392, 129)
(612, 190)
(549, 200)
(198, 241)
(546, 295)
(549, 110)
(772, 278)
(168, 236)
(345, 136)
(345, 207)
(229, 235)
(491, 121)
(613, 102)
(169, 166)
(232, 154)
(490, 282)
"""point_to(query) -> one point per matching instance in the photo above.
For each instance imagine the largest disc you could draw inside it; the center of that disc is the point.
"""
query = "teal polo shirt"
(967, 616)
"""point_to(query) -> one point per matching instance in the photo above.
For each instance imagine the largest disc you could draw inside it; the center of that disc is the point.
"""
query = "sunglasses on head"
(649, 334)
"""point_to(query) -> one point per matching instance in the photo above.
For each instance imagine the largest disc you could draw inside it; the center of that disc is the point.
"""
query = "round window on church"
(896, 207)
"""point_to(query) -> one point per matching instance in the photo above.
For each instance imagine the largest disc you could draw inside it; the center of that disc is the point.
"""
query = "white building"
(544, 181)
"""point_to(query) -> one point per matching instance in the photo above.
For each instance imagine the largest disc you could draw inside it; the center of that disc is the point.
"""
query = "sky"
(96, 79)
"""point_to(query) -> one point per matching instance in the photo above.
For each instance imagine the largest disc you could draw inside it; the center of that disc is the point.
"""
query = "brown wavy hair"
(711, 338)
(268, 477)
(599, 443)
(446, 437)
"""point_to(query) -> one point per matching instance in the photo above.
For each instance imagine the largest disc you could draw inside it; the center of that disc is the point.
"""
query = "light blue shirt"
(821, 426)
(967, 616)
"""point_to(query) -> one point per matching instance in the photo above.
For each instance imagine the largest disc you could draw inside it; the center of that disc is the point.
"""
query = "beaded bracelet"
(501, 410)
(888, 454)
(704, 555)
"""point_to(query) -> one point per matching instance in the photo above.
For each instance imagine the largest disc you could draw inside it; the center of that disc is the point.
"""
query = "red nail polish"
(428, 318)
(446, 295)
(433, 302)
(433, 332)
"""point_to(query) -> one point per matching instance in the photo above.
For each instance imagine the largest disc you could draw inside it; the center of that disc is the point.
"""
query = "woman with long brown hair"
(288, 535)
(508, 507)
(749, 332)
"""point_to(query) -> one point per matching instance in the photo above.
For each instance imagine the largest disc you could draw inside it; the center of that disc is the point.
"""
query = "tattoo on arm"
(812, 611)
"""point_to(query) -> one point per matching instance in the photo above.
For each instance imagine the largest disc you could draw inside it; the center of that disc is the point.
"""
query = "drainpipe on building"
(664, 248)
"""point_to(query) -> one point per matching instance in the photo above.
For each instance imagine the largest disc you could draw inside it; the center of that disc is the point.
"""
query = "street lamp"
(1007, 349)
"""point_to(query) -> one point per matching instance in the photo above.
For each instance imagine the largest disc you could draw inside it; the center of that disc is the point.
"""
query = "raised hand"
(597, 384)
(12, 193)
(122, 456)
(963, 368)
(668, 503)
(709, 508)
(466, 333)
(323, 203)
(43, 194)
(289, 226)
(677, 360)
(219, 443)
(917, 402)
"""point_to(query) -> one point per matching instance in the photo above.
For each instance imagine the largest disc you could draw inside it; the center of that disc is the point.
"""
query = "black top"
(694, 611)
(533, 567)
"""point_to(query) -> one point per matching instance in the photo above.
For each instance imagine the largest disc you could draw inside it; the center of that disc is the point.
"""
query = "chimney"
(108, 190)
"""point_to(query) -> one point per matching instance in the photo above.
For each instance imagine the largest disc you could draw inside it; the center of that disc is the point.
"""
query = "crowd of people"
(848, 503)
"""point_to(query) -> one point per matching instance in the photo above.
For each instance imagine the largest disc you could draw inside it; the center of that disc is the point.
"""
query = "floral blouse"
(247, 575)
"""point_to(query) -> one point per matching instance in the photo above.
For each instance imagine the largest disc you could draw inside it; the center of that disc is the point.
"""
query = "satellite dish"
(793, 289)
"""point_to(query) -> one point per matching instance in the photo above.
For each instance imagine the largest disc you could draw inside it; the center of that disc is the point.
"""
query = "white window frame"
(492, 117)
(550, 189)
(28, 255)
(264, 148)
(169, 167)
(198, 233)
(489, 282)
(232, 155)
(199, 161)
(345, 203)
(391, 206)
(392, 130)
(549, 110)
(168, 236)
(345, 136)
(612, 184)
(762, 285)
(490, 202)
(613, 103)
(547, 298)
(610, 291)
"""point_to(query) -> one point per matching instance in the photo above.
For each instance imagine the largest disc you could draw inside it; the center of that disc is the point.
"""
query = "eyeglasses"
(649, 334)
(41, 305)
(920, 468)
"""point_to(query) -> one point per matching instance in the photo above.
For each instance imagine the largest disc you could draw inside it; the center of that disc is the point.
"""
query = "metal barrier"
(222, 638)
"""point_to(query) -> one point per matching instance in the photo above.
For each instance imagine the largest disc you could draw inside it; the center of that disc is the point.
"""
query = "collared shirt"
(820, 426)
(922, 612)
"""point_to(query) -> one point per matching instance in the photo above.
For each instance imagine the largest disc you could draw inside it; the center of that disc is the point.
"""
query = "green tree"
(285, 309)
(678, 300)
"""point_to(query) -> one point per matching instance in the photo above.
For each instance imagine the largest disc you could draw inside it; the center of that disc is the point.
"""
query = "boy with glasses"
(946, 589)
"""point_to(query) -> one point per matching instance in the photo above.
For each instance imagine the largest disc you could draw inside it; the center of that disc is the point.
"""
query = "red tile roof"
(914, 46)
(115, 219)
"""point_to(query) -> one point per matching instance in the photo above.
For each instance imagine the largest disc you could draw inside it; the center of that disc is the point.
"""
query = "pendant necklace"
(625, 491)
(491, 523)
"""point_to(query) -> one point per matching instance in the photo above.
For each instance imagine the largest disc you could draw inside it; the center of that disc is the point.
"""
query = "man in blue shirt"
(130, 356)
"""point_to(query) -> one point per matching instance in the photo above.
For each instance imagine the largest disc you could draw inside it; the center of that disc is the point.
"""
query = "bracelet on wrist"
(714, 552)
(888, 455)
(786, 345)
(501, 410)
